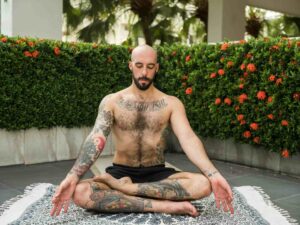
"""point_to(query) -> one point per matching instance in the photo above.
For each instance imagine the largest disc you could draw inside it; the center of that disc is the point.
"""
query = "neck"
(143, 95)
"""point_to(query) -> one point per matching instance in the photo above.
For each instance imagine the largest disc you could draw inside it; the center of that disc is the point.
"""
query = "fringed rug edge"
(261, 202)
(13, 208)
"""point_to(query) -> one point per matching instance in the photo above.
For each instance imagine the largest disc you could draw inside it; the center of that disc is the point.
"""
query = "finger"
(229, 204)
(225, 207)
(218, 203)
(53, 210)
(229, 191)
(59, 209)
(66, 206)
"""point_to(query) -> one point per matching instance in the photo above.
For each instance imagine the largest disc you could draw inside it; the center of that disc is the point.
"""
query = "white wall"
(32, 18)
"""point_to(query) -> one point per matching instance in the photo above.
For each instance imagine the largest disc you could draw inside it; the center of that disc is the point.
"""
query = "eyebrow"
(146, 64)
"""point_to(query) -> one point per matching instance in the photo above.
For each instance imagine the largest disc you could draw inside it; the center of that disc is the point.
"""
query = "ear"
(130, 65)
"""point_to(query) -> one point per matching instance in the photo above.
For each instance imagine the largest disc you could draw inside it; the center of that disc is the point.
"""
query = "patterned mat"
(33, 207)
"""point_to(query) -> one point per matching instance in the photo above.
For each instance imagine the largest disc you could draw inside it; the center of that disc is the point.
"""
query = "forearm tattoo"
(95, 142)
(114, 201)
(171, 190)
(210, 173)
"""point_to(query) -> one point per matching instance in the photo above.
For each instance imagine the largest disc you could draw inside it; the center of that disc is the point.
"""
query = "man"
(138, 117)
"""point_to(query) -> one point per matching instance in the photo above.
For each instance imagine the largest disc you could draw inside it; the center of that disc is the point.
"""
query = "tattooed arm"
(91, 149)
(195, 151)
(95, 142)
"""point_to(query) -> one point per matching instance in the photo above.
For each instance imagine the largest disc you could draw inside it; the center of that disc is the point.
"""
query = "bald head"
(143, 50)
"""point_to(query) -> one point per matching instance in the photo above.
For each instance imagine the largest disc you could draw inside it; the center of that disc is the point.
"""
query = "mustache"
(144, 78)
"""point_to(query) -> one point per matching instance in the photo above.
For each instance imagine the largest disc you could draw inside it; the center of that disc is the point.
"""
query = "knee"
(81, 194)
(202, 186)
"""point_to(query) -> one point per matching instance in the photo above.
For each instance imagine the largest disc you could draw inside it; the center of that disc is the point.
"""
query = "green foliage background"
(65, 89)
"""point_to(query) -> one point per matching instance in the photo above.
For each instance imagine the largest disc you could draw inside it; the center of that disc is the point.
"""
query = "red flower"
(240, 117)
(254, 126)
(213, 75)
(222, 59)
(4, 39)
(224, 46)
(251, 67)
(241, 86)
(237, 108)
(187, 58)
(270, 99)
(221, 72)
(27, 54)
(173, 53)
(284, 123)
(275, 47)
(218, 101)
(270, 116)
(261, 95)
(248, 56)
(229, 64)
(56, 51)
(272, 77)
(245, 74)
(228, 101)
(243, 66)
(247, 134)
(35, 54)
(285, 153)
(30, 43)
(256, 140)
(242, 98)
(296, 96)
(279, 81)
(189, 91)
(242, 41)
(242, 122)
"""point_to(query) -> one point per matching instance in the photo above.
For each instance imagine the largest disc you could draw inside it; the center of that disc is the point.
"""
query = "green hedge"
(246, 90)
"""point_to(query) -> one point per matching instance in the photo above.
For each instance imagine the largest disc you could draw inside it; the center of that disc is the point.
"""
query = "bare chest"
(138, 116)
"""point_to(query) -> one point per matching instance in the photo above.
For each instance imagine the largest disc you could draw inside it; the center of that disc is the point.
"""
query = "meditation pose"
(138, 181)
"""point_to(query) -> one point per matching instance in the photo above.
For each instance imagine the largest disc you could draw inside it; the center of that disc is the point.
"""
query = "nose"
(144, 71)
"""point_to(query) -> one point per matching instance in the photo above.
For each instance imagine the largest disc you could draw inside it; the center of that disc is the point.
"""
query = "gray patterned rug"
(251, 206)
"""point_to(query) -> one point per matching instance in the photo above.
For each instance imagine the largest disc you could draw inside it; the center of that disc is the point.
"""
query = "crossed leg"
(106, 194)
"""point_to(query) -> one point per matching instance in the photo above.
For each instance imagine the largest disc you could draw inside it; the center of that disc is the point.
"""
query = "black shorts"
(141, 174)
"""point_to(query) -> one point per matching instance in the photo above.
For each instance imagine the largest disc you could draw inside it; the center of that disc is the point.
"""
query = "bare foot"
(181, 208)
(125, 180)
(114, 183)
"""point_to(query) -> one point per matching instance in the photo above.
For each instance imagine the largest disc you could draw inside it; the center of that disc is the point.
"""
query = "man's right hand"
(63, 194)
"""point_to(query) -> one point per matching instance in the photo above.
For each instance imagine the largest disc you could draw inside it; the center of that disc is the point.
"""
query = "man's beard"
(142, 87)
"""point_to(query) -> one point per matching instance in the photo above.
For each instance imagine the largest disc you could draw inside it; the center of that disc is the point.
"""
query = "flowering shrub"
(246, 90)
(51, 83)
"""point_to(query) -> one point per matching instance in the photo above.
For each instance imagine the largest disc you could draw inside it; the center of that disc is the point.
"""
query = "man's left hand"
(222, 192)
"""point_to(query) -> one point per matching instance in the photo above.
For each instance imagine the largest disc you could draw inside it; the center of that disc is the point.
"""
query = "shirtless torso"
(139, 129)
(138, 118)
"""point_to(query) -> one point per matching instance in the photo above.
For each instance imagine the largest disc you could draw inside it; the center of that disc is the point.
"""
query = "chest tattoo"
(142, 106)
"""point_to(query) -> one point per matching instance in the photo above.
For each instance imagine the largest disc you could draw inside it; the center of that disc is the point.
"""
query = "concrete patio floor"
(283, 190)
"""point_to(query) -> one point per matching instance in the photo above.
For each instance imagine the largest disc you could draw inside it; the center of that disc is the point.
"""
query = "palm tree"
(155, 20)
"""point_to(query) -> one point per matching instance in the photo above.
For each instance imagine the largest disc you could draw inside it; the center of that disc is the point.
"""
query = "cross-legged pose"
(138, 181)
